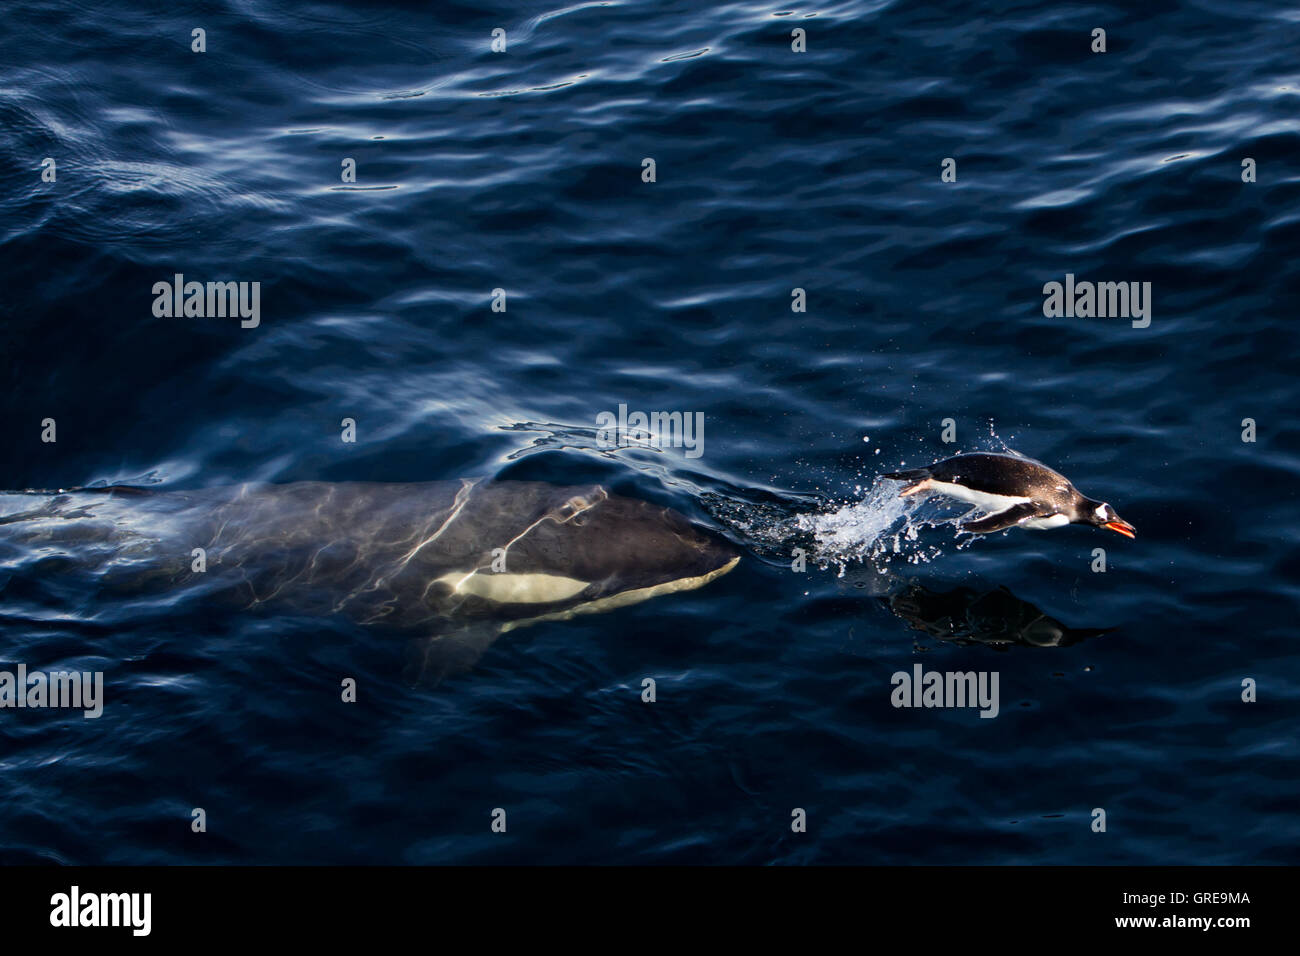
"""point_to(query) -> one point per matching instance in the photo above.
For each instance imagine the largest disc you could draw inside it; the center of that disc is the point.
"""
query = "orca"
(429, 557)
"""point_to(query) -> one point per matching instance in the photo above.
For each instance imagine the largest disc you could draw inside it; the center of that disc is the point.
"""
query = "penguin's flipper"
(1000, 520)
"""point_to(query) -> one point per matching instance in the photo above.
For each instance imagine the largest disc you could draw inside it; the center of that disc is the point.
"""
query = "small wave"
(690, 55)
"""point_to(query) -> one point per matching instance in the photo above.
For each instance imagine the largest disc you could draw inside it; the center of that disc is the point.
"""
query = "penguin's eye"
(1103, 512)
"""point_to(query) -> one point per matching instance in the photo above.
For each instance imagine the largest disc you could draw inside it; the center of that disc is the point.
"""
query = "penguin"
(1010, 491)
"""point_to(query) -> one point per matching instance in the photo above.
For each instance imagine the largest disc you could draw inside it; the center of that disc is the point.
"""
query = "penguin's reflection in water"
(994, 617)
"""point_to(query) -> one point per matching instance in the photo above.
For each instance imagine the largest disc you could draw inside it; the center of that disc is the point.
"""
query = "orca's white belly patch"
(504, 588)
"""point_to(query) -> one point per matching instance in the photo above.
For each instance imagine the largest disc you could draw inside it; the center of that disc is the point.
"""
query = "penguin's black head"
(1101, 515)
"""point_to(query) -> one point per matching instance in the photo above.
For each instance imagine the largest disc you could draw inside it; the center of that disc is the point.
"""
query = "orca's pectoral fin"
(1000, 520)
(431, 660)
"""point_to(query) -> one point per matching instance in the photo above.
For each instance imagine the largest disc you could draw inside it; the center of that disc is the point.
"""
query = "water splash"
(871, 527)
(879, 529)
(882, 527)
(874, 531)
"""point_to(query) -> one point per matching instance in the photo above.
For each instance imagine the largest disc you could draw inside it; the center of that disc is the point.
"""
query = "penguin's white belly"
(1043, 524)
(989, 504)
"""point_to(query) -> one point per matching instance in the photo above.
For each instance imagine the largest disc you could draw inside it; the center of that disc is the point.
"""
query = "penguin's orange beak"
(1123, 527)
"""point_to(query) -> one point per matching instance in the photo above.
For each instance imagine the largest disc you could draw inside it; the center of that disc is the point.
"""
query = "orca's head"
(537, 550)
(625, 544)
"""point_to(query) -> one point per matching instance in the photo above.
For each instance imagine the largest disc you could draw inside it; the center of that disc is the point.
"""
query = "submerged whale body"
(419, 557)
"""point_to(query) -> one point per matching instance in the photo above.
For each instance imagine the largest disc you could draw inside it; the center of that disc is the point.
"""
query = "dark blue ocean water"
(776, 170)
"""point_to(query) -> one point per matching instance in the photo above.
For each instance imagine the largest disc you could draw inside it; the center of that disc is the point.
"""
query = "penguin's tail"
(916, 474)
(915, 478)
